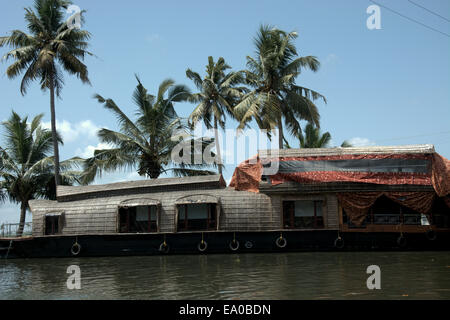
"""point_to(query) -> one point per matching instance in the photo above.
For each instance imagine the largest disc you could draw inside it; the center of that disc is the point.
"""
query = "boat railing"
(9, 230)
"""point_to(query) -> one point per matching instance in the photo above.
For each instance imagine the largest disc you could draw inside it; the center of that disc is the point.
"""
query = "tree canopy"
(148, 142)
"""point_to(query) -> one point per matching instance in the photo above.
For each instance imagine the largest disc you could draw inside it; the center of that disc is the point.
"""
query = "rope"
(9, 248)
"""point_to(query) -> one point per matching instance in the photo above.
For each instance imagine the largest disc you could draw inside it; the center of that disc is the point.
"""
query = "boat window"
(303, 214)
(387, 212)
(139, 219)
(197, 217)
(52, 224)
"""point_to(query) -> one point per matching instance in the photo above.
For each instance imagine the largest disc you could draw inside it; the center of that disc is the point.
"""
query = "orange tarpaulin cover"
(440, 177)
(247, 175)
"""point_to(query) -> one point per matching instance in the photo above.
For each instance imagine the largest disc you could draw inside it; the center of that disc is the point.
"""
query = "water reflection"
(420, 275)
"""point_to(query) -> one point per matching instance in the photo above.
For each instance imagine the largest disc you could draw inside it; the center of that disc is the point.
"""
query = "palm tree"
(49, 47)
(217, 97)
(275, 99)
(147, 142)
(346, 144)
(313, 138)
(26, 169)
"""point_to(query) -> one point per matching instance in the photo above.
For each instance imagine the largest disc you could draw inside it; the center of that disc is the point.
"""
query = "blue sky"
(384, 87)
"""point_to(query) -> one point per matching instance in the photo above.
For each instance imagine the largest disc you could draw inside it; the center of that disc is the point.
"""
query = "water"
(404, 275)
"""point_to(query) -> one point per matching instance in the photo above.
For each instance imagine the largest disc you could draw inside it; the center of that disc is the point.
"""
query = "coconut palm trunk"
(23, 212)
(50, 41)
(218, 153)
(54, 132)
(280, 133)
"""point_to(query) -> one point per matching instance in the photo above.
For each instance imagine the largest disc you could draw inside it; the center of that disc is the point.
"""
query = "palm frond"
(163, 88)
(195, 77)
(125, 123)
(26, 164)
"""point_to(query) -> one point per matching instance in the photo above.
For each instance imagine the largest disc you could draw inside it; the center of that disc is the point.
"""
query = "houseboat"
(337, 199)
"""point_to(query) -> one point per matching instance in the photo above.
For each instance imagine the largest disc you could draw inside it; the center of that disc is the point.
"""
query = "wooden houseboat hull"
(219, 243)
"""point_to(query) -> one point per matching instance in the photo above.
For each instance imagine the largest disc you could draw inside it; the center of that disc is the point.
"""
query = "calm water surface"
(418, 275)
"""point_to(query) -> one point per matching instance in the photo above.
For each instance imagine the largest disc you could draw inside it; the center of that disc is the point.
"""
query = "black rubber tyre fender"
(164, 248)
(234, 245)
(202, 246)
(339, 243)
(281, 242)
(76, 249)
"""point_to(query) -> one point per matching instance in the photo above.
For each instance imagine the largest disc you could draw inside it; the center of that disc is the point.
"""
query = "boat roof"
(297, 169)
(65, 193)
(306, 152)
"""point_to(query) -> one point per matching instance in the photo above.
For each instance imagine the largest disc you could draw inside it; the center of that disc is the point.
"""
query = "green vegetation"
(147, 142)
(40, 54)
(275, 98)
(218, 95)
(26, 169)
(313, 138)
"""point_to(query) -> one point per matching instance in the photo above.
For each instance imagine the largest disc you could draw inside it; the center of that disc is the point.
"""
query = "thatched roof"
(305, 152)
(67, 193)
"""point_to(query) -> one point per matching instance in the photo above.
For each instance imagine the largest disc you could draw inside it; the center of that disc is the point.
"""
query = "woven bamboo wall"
(240, 211)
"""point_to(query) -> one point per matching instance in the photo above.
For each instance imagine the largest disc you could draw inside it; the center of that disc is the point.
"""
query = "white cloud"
(89, 128)
(120, 176)
(71, 132)
(88, 151)
(361, 142)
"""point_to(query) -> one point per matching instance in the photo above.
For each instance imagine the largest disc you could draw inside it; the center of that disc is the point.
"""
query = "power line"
(432, 12)
(411, 19)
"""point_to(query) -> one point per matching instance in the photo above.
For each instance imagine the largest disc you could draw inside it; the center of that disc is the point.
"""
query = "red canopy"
(247, 175)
